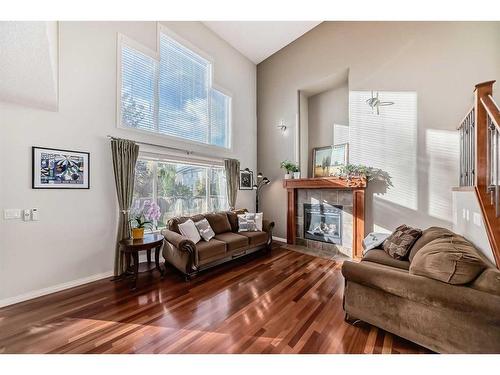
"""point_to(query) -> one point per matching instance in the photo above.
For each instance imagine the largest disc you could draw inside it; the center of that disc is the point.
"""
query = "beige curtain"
(232, 167)
(125, 155)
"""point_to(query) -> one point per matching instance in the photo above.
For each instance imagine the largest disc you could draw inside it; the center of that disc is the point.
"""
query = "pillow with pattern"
(205, 230)
(399, 243)
(247, 223)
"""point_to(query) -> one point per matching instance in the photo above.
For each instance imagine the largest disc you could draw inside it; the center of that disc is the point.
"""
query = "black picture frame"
(246, 180)
(36, 170)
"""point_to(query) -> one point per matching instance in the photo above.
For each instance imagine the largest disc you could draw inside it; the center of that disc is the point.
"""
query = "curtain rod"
(187, 152)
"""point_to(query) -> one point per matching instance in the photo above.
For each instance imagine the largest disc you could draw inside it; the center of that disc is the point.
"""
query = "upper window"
(172, 94)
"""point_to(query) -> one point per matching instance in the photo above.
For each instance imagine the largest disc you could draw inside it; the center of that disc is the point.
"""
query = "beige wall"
(324, 110)
(441, 61)
(74, 240)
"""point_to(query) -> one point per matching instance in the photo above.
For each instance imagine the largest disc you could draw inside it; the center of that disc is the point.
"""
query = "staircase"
(480, 159)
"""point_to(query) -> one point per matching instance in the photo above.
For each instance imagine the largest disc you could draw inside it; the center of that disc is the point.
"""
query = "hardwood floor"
(285, 302)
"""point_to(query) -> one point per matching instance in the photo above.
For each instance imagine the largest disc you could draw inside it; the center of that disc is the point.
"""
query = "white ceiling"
(257, 40)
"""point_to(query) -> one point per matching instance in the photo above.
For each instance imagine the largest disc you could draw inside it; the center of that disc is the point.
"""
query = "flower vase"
(137, 233)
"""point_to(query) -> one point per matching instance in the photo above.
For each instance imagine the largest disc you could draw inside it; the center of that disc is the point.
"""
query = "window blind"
(138, 87)
(174, 96)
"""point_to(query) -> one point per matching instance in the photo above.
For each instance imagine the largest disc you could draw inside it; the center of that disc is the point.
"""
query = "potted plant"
(144, 218)
(291, 168)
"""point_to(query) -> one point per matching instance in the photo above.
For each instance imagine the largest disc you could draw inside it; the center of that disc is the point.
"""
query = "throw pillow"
(246, 224)
(399, 243)
(451, 259)
(373, 240)
(188, 230)
(206, 231)
(257, 217)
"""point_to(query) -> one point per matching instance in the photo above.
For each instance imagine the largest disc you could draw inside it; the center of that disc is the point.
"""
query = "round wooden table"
(131, 248)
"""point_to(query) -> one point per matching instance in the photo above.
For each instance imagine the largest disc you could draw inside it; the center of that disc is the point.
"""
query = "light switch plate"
(11, 213)
(27, 214)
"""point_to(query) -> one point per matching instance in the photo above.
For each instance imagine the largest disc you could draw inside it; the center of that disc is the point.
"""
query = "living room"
(209, 185)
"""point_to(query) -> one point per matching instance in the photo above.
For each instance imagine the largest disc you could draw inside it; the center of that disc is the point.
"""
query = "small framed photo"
(246, 180)
(328, 160)
(60, 169)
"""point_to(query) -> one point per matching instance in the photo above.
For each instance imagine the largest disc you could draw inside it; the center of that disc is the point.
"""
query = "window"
(177, 189)
(171, 93)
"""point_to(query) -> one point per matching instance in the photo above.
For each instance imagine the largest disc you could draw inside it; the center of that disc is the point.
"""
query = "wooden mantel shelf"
(357, 185)
(325, 183)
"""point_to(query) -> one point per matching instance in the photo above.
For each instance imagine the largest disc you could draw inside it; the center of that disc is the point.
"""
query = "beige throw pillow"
(451, 259)
(188, 229)
(399, 243)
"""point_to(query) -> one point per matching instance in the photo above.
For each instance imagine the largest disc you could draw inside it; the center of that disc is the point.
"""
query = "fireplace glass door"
(323, 222)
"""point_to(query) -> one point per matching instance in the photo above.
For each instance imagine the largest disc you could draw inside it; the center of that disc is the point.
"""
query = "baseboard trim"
(279, 239)
(52, 289)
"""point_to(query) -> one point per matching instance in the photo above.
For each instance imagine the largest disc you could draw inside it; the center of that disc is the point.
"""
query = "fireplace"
(323, 222)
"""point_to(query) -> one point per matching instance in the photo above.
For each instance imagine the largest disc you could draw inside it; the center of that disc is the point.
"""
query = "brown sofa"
(443, 317)
(228, 243)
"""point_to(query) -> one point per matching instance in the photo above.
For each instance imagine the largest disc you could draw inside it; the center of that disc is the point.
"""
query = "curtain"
(125, 155)
(232, 167)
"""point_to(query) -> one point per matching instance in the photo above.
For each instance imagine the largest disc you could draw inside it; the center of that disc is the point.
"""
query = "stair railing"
(480, 159)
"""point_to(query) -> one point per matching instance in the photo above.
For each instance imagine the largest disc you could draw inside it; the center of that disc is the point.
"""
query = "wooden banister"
(487, 149)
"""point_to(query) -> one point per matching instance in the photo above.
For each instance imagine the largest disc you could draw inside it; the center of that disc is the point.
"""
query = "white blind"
(188, 107)
(138, 89)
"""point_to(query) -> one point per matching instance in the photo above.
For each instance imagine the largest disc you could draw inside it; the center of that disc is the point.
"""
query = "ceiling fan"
(375, 102)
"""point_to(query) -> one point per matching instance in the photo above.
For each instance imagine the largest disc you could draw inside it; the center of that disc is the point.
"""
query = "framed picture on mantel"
(60, 169)
(328, 160)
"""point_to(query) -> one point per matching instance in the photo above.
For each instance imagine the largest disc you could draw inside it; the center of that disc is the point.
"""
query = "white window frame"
(161, 29)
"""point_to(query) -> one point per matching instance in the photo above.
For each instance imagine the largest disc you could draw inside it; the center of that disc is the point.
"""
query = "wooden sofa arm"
(267, 225)
(178, 241)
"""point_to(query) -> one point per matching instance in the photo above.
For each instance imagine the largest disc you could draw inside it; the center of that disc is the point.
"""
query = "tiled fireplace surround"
(331, 197)
(348, 193)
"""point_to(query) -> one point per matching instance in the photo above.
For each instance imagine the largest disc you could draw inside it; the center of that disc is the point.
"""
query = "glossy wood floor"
(285, 302)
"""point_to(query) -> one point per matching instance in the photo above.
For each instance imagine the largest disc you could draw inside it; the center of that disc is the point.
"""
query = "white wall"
(468, 221)
(75, 236)
(440, 61)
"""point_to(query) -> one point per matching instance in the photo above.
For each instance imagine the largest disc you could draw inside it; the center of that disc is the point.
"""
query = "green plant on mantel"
(370, 173)
(289, 166)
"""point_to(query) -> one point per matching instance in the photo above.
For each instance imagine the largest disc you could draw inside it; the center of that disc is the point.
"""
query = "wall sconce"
(282, 127)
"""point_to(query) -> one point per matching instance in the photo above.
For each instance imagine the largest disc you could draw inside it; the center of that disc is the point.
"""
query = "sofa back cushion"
(428, 235)
(219, 222)
(450, 259)
(232, 216)
(399, 243)
(173, 223)
(488, 281)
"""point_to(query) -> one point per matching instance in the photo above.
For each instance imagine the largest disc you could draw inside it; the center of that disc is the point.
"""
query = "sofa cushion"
(381, 257)
(173, 224)
(210, 249)
(428, 235)
(451, 259)
(232, 216)
(255, 238)
(488, 281)
(399, 243)
(233, 241)
(219, 222)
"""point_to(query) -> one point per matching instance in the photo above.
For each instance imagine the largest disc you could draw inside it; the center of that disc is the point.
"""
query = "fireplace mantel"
(357, 185)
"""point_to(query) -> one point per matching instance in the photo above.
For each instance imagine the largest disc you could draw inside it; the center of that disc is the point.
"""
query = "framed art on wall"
(327, 160)
(246, 179)
(60, 169)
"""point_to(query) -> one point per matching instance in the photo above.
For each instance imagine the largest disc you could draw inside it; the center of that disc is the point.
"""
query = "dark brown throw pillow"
(399, 243)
